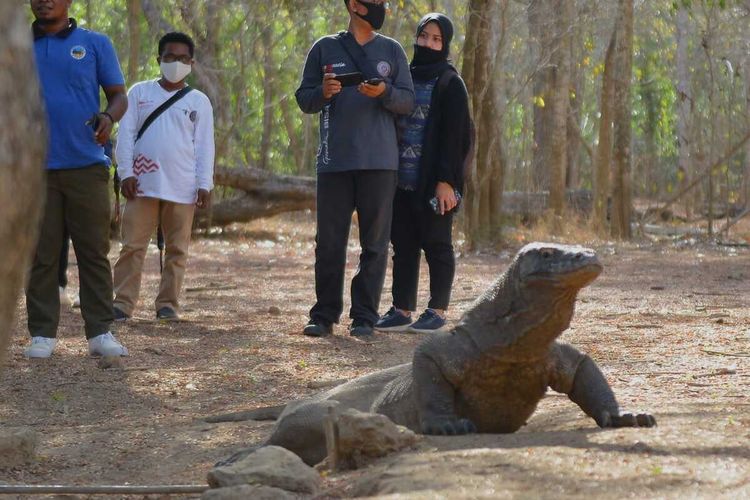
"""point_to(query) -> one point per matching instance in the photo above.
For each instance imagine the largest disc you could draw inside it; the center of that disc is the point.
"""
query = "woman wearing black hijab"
(433, 142)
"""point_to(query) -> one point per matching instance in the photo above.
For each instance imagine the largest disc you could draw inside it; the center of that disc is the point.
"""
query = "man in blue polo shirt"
(72, 64)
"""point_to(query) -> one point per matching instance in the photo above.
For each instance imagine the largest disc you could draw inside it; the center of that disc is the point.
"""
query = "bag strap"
(161, 109)
(445, 79)
(357, 55)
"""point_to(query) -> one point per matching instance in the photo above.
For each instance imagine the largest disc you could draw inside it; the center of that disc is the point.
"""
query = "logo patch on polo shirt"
(78, 52)
(384, 68)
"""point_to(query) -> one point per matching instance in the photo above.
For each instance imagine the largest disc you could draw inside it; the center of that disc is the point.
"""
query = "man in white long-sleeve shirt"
(166, 170)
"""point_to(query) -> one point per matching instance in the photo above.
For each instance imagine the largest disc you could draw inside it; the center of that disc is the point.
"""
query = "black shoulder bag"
(161, 109)
(357, 55)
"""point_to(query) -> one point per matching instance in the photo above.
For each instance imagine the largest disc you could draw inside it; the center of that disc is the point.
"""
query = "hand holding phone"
(372, 87)
(102, 124)
(446, 199)
(331, 86)
(349, 79)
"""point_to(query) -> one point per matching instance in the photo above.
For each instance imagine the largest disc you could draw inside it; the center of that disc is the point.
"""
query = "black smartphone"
(374, 81)
(93, 122)
(436, 207)
(349, 79)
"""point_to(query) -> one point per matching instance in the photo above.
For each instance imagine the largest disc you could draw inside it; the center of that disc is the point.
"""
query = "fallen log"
(265, 194)
(267, 184)
(529, 205)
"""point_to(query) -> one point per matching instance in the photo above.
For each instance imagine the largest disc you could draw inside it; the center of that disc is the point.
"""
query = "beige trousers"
(140, 219)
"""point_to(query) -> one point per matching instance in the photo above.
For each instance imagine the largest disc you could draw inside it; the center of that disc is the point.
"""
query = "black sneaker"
(317, 328)
(120, 314)
(429, 321)
(166, 314)
(393, 321)
(360, 328)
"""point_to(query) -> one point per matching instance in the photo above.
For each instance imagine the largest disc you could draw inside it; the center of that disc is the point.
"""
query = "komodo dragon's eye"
(546, 253)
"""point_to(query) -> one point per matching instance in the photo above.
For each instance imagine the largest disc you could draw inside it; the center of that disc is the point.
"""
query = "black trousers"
(339, 194)
(62, 273)
(416, 228)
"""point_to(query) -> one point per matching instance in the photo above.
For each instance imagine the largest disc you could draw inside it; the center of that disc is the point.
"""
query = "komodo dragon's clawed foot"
(445, 427)
(608, 420)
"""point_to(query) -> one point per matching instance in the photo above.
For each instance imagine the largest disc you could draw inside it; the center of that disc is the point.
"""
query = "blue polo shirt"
(72, 65)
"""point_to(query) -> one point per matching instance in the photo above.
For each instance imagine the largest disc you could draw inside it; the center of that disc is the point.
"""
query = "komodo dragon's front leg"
(576, 375)
(436, 397)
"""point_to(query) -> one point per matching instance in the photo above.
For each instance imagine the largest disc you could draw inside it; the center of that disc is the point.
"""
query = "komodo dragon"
(485, 375)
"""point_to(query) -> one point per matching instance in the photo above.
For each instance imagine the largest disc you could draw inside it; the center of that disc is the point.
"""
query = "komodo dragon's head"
(532, 303)
(557, 266)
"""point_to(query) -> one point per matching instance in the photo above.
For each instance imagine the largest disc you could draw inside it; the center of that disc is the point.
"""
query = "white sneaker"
(64, 298)
(41, 347)
(106, 345)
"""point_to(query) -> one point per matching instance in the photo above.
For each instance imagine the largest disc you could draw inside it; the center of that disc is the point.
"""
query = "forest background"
(669, 80)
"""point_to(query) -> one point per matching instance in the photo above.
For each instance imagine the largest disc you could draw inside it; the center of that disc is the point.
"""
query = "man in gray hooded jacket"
(357, 159)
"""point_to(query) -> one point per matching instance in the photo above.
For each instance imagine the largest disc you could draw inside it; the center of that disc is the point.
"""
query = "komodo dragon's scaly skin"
(488, 373)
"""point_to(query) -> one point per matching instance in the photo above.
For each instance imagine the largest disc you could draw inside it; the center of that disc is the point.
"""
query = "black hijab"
(427, 63)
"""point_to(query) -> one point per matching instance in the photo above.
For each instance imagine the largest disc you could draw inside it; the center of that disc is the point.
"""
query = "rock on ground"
(17, 446)
(269, 466)
(246, 491)
(368, 435)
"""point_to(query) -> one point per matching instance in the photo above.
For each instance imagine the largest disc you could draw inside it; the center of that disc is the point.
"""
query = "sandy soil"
(669, 324)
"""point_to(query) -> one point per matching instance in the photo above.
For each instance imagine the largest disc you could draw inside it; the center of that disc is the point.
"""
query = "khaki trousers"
(140, 219)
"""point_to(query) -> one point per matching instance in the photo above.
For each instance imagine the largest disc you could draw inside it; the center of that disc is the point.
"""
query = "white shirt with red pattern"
(175, 156)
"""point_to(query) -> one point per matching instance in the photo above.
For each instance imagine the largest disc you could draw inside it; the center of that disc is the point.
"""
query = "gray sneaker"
(41, 347)
(106, 345)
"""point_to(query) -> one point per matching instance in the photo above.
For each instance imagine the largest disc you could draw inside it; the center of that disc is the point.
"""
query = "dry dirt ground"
(668, 323)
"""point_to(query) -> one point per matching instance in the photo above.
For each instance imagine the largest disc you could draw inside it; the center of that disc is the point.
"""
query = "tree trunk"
(621, 187)
(541, 19)
(577, 85)
(604, 149)
(712, 113)
(684, 104)
(295, 145)
(134, 36)
(89, 12)
(497, 161)
(745, 195)
(22, 151)
(269, 85)
(559, 104)
(471, 193)
(479, 68)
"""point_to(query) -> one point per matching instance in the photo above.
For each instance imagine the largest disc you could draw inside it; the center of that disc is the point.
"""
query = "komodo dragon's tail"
(238, 456)
(267, 413)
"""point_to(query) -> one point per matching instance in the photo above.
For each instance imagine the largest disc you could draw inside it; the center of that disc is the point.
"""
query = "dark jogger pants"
(79, 199)
(339, 194)
(416, 228)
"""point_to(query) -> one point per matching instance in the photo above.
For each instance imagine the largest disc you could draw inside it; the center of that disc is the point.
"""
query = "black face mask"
(426, 55)
(375, 14)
